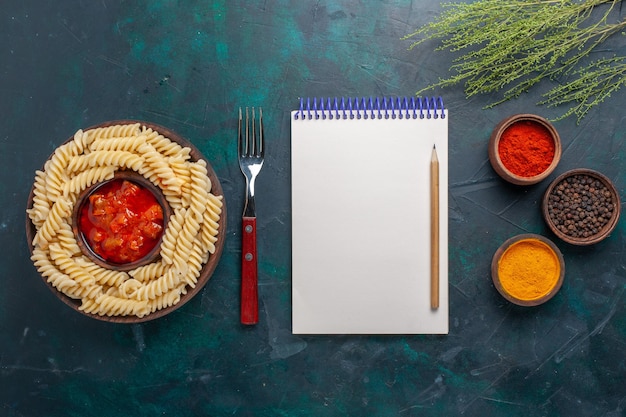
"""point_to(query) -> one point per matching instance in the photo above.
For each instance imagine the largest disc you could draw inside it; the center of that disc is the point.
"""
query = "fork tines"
(248, 143)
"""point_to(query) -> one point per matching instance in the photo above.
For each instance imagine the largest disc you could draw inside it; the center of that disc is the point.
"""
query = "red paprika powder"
(526, 148)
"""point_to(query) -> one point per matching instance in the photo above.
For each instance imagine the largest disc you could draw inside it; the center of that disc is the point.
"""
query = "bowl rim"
(209, 267)
(494, 156)
(606, 231)
(513, 241)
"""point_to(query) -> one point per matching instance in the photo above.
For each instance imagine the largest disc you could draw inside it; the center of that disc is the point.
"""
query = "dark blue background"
(189, 65)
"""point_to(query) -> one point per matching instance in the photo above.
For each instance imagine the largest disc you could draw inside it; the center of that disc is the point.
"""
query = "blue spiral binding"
(371, 108)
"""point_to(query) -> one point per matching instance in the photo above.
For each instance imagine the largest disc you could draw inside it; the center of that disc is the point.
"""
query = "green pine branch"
(508, 46)
(590, 86)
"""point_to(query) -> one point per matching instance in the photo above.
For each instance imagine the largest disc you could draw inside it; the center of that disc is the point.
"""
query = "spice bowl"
(119, 223)
(524, 149)
(581, 206)
(528, 269)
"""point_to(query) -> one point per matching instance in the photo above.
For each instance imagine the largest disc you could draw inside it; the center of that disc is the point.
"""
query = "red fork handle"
(249, 274)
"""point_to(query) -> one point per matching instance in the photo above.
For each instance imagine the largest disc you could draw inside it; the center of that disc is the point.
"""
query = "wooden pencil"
(434, 230)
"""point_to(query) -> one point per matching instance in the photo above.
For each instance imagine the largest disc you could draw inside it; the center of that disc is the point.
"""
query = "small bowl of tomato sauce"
(119, 223)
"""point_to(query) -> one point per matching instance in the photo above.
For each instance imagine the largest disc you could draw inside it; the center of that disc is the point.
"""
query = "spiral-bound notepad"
(361, 215)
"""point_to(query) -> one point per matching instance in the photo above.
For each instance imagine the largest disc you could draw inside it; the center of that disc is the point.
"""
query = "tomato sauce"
(121, 221)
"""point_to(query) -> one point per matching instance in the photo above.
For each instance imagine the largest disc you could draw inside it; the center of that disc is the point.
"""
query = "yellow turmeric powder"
(528, 269)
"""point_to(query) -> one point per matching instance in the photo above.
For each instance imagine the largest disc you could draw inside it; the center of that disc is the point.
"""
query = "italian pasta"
(120, 130)
(87, 178)
(188, 242)
(165, 146)
(106, 278)
(59, 213)
(111, 305)
(41, 205)
(67, 239)
(167, 299)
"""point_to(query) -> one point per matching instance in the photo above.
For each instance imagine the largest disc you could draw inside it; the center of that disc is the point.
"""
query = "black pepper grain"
(580, 206)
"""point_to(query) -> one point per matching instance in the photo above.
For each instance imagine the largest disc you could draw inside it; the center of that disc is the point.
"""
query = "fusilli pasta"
(189, 239)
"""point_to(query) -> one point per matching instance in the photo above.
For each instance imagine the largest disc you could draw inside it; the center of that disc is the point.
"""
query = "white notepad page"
(361, 225)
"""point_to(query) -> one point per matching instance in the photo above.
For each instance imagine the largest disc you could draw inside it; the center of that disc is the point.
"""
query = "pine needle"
(590, 87)
(510, 46)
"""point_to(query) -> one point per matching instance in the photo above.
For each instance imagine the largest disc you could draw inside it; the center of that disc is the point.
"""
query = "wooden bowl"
(571, 217)
(539, 173)
(528, 283)
(83, 199)
(208, 267)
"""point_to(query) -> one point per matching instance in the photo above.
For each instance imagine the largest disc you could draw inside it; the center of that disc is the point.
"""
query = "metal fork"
(251, 154)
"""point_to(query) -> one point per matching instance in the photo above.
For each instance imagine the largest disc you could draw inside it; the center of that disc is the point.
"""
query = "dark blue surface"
(189, 66)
